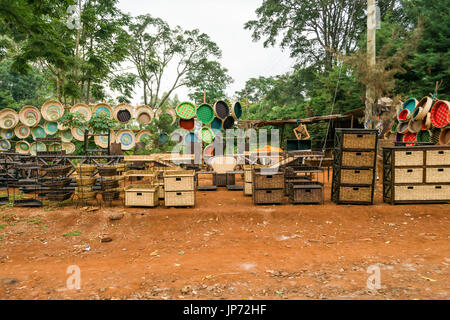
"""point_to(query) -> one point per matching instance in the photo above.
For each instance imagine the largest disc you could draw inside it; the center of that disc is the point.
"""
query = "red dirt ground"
(227, 248)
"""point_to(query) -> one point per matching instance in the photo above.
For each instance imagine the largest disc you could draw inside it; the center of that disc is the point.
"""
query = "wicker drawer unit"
(306, 193)
(179, 198)
(141, 196)
(179, 180)
(264, 196)
(267, 180)
(354, 166)
(418, 174)
(248, 171)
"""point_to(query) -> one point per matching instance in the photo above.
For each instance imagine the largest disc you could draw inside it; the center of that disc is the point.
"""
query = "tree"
(313, 29)
(256, 89)
(154, 45)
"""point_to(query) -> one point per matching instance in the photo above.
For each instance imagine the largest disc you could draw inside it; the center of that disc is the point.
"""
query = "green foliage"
(102, 124)
(73, 120)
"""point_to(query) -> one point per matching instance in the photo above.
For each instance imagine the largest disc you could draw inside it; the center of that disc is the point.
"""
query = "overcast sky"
(223, 21)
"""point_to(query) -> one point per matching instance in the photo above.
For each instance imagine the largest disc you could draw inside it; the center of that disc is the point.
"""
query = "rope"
(332, 109)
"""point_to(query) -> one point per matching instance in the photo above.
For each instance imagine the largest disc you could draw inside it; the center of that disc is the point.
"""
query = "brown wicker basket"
(355, 194)
(357, 176)
(83, 189)
(268, 196)
(359, 141)
(57, 183)
(58, 171)
(85, 181)
(107, 171)
(109, 184)
(261, 180)
(85, 169)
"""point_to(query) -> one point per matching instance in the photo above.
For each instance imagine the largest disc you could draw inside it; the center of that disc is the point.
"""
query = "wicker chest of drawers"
(354, 165)
(419, 174)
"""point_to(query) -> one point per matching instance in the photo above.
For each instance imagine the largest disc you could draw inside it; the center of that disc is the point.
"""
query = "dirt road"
(227, 248)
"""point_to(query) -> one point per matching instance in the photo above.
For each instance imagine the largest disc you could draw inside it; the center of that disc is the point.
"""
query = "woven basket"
(85, 181)
(82, 109)
(51, 127)
(22, 147)
(356, 194)
(5, 145)
(444, 137)
(103, 109)
(358, 159)
(228, 123)
(57, 171)
(86, 196)
(107, 171)
(268, 196)
(126, 138)
(141, 195)
(186, 110)
(8, 118)
(187, 124)
(85, 169)
(236, 111)
(440, 114)
(394, 126)
(144, 134)
(207, 135)
(221, 109)
(422, 108)
(179, 198)
(109, 184)
(435, 133)
(68, 147)
(216, 124)
(30, 116)
(357, 176)
(22, 131)
(52, 110)
(83, 189)
(423, 136)
(123, 113)
(38, 132)
(205, 113)
(144, 115)
(179, 180)
(359, 141)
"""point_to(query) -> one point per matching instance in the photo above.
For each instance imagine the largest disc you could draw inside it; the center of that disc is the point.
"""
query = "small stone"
(106, 239)
(115, 216)
(9, 281)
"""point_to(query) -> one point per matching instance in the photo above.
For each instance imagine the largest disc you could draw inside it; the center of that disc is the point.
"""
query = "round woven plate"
(30, 116)
(190, 137)
(414, 126)
(410, 104)
(205, 113)
(22, 147)
(126, 138)
(216, 124)
(170, 112)
(37, 146)
(422, 108)
(38, 132)
(7, 133)
(439, 113)
(51, 127)
(404, 115)
(236, 111)
(143, 134)
(66, 135)
(444, 137)
(52, 110)
(403, 128)
(103, 109)
(164, 138)
(5, 145)
(207, 135)
(8, 118)
(22, 131)
(424, 136)
(228, 123)
(187, 124)
(186, 110)
(69, 147)
(410, 138)
(82, 109)
(78, 134)
(123, 113)
(102, 141)
(221, 109)
(144, 115)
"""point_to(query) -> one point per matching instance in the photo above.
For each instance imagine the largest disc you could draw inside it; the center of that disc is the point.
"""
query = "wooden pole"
(371, 61)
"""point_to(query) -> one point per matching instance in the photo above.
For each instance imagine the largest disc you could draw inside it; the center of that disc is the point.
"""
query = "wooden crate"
(418, 174)
(179, 198)
(274, 196)
(262, 180)
(141, 196)
(179, 180)
(306, 193)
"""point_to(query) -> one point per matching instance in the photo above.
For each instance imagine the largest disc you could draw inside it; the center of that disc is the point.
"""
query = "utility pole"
(371, 61)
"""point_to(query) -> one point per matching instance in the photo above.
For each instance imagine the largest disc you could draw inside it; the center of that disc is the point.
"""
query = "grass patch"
(72, 233)
(35, 221)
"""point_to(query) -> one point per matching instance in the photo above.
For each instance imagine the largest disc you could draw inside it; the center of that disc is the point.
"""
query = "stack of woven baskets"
(56, 183)
(109, 183)
(85, 182)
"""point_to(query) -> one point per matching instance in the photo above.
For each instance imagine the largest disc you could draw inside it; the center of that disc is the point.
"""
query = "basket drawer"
(422, 193)
(408, 158)
(359, 141)
(182, 183)
(438, 175)
(179, 198)
(357, 176)
(248, 188)
(358, 159)
(268, 181)
(412, 175)
(438, 157)
(306, 194)
(141, 196)
(355, 194)
(268, 196)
